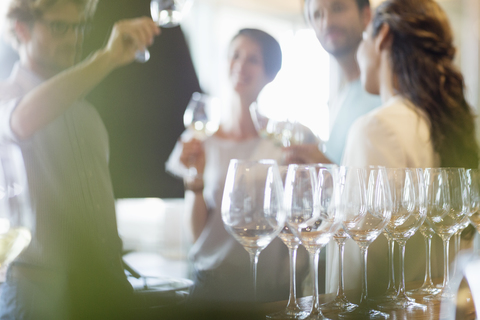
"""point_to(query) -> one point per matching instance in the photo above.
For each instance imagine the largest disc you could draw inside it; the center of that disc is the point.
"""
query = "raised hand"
(130, 36)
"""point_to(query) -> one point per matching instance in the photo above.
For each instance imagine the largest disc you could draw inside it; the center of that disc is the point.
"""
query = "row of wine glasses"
(321, 202)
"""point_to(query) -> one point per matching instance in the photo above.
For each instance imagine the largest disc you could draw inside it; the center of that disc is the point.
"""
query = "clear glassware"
(407, 187)
(199, 119)
(473, 183)
(340, 303)
(252, 206)
(428, 287)
(311, 201)
(447, 205)
(166, 14)
(292, 241)
(16, 215)
(284, 132)
(367, 211)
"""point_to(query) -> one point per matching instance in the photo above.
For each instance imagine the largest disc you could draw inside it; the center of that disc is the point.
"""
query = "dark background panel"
(142, 105)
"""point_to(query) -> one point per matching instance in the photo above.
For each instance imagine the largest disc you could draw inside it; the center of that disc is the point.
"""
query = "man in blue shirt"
(339, 25)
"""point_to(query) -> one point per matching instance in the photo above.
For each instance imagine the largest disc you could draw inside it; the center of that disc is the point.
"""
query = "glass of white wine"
(200, 121)
(166, 14)
(407, 188)
(312, 201)
(447, 205)
(252, 206)
(16, 217)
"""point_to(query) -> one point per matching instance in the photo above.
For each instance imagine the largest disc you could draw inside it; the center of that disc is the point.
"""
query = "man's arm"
(49, 100)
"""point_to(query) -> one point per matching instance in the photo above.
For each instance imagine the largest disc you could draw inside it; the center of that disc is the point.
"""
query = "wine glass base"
(288, 314)
(316, 315)
(424, 291)
(387, 297)
(443, 295)
(361, 313)
(402, 303)
(339, 304)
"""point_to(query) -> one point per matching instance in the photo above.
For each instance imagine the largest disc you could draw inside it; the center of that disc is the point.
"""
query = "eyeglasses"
(60, 28)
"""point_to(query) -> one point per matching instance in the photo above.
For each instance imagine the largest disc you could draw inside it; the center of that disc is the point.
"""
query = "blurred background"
(142, 105)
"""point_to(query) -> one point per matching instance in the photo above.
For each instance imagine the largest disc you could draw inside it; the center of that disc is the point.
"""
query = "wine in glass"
(166, 14)
(447, 206)
(312, 200)
(407, 188)
(366, 211)
(199, 119)
(16, 216)
(252, 206)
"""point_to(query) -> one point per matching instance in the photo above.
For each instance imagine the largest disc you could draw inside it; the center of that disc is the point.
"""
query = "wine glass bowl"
(166, 14)
(199, 116)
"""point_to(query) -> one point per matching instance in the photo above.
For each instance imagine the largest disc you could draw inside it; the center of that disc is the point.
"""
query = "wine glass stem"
(364, 297)
(457, 249)
(401, 286)
(391, 270)
(315, 302)
(292, 299)
(446, 259)
(253, 264)
(428, 263)
(341, 255)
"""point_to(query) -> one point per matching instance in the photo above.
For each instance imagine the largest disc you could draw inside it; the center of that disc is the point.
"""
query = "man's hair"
(360, 4)
(28, 11)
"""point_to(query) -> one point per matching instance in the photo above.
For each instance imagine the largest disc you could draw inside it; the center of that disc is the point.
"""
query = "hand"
(193, 155)
(129, 36)
(304, 154)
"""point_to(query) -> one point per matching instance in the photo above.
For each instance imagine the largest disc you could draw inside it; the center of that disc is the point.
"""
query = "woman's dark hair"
(271, 52)
(422, 59)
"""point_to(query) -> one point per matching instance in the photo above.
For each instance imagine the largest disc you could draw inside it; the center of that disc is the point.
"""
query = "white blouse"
(396, 135)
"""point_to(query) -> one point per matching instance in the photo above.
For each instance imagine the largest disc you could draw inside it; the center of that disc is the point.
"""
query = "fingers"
(130, 36)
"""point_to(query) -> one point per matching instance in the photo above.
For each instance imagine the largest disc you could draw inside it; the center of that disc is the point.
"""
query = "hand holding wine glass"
(166, 14)
(200, 123)
(16, 216)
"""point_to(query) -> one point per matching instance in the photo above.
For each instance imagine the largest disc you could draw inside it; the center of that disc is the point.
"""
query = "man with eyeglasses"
(72, 268)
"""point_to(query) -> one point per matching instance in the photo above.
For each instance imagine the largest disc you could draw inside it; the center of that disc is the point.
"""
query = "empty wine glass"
(199, 118)
(473, 183)
(292, 241)
(166, 14)
(16, 216)
(427, 288)
(407, 188)
(252, 206)
(311, 201)
(447, 205)
(367, 211)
